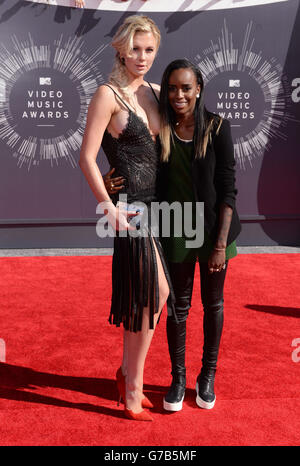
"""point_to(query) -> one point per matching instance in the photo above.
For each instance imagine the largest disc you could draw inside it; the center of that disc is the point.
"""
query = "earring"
(198, 95)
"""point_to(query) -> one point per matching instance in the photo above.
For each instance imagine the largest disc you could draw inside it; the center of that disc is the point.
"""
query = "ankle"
(134, 400)
(179, 375)
(179, 379)
(133, 392)
(132, 385)
(207, 373)
(133, 389)
(174, 398)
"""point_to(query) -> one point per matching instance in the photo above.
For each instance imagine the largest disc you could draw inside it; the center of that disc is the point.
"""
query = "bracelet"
(219, 249)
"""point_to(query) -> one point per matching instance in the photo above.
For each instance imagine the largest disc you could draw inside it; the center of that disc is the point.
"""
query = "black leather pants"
(212, 285)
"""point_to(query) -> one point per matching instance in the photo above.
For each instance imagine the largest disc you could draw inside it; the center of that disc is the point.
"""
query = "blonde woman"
(123, 118)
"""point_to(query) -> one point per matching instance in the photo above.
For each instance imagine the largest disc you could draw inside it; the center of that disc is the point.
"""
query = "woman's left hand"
(113, 185)
(216, 261)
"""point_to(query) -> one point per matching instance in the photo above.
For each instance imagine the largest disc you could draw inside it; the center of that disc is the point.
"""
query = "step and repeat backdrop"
(54, 56)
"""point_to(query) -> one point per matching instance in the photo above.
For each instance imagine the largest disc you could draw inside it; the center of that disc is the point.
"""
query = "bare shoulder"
(104, 93)
(156, 88)
(104, 98)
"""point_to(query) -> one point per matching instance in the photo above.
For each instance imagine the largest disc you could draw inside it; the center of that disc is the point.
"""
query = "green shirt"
(180, 189)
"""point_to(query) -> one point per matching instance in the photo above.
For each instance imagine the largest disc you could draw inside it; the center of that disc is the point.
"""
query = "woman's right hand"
(117, 216)
(113, 185)
(79, 4)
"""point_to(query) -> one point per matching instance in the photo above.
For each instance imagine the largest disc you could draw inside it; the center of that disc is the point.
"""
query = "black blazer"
(213, 181)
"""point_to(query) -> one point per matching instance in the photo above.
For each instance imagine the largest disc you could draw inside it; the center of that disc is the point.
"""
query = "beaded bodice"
(135, 156)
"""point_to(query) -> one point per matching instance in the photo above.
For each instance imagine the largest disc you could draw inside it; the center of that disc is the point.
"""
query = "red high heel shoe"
(142, 416)
(146, 403)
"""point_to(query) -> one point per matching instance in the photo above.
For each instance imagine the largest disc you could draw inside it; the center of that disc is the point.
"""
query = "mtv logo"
(234, 83)
(45, 81)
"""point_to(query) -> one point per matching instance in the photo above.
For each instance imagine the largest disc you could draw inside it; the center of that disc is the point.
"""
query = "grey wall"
(54, 58)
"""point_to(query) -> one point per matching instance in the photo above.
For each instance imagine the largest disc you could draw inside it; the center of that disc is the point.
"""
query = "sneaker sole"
(204, 404)
(173, 406)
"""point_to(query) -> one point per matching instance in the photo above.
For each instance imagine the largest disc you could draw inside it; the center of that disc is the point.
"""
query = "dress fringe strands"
(135, 281)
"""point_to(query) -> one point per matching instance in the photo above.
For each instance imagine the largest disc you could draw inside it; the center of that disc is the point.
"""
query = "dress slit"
(135, 283)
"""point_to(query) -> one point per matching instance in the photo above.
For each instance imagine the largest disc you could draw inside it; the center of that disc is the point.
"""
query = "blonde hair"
(123, 44)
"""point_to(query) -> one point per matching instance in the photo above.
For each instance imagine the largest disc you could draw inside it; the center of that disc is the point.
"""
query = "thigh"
(182, 278)
(212, 284)
(162, 282)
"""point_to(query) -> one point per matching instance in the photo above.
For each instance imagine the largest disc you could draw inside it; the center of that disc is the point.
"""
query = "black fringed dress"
(135, 157)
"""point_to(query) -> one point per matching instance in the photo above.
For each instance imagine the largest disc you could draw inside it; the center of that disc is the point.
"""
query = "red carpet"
(57, 384)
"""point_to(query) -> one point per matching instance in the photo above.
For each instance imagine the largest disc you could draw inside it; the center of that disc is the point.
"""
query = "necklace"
(178, 123)
(183, 140)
